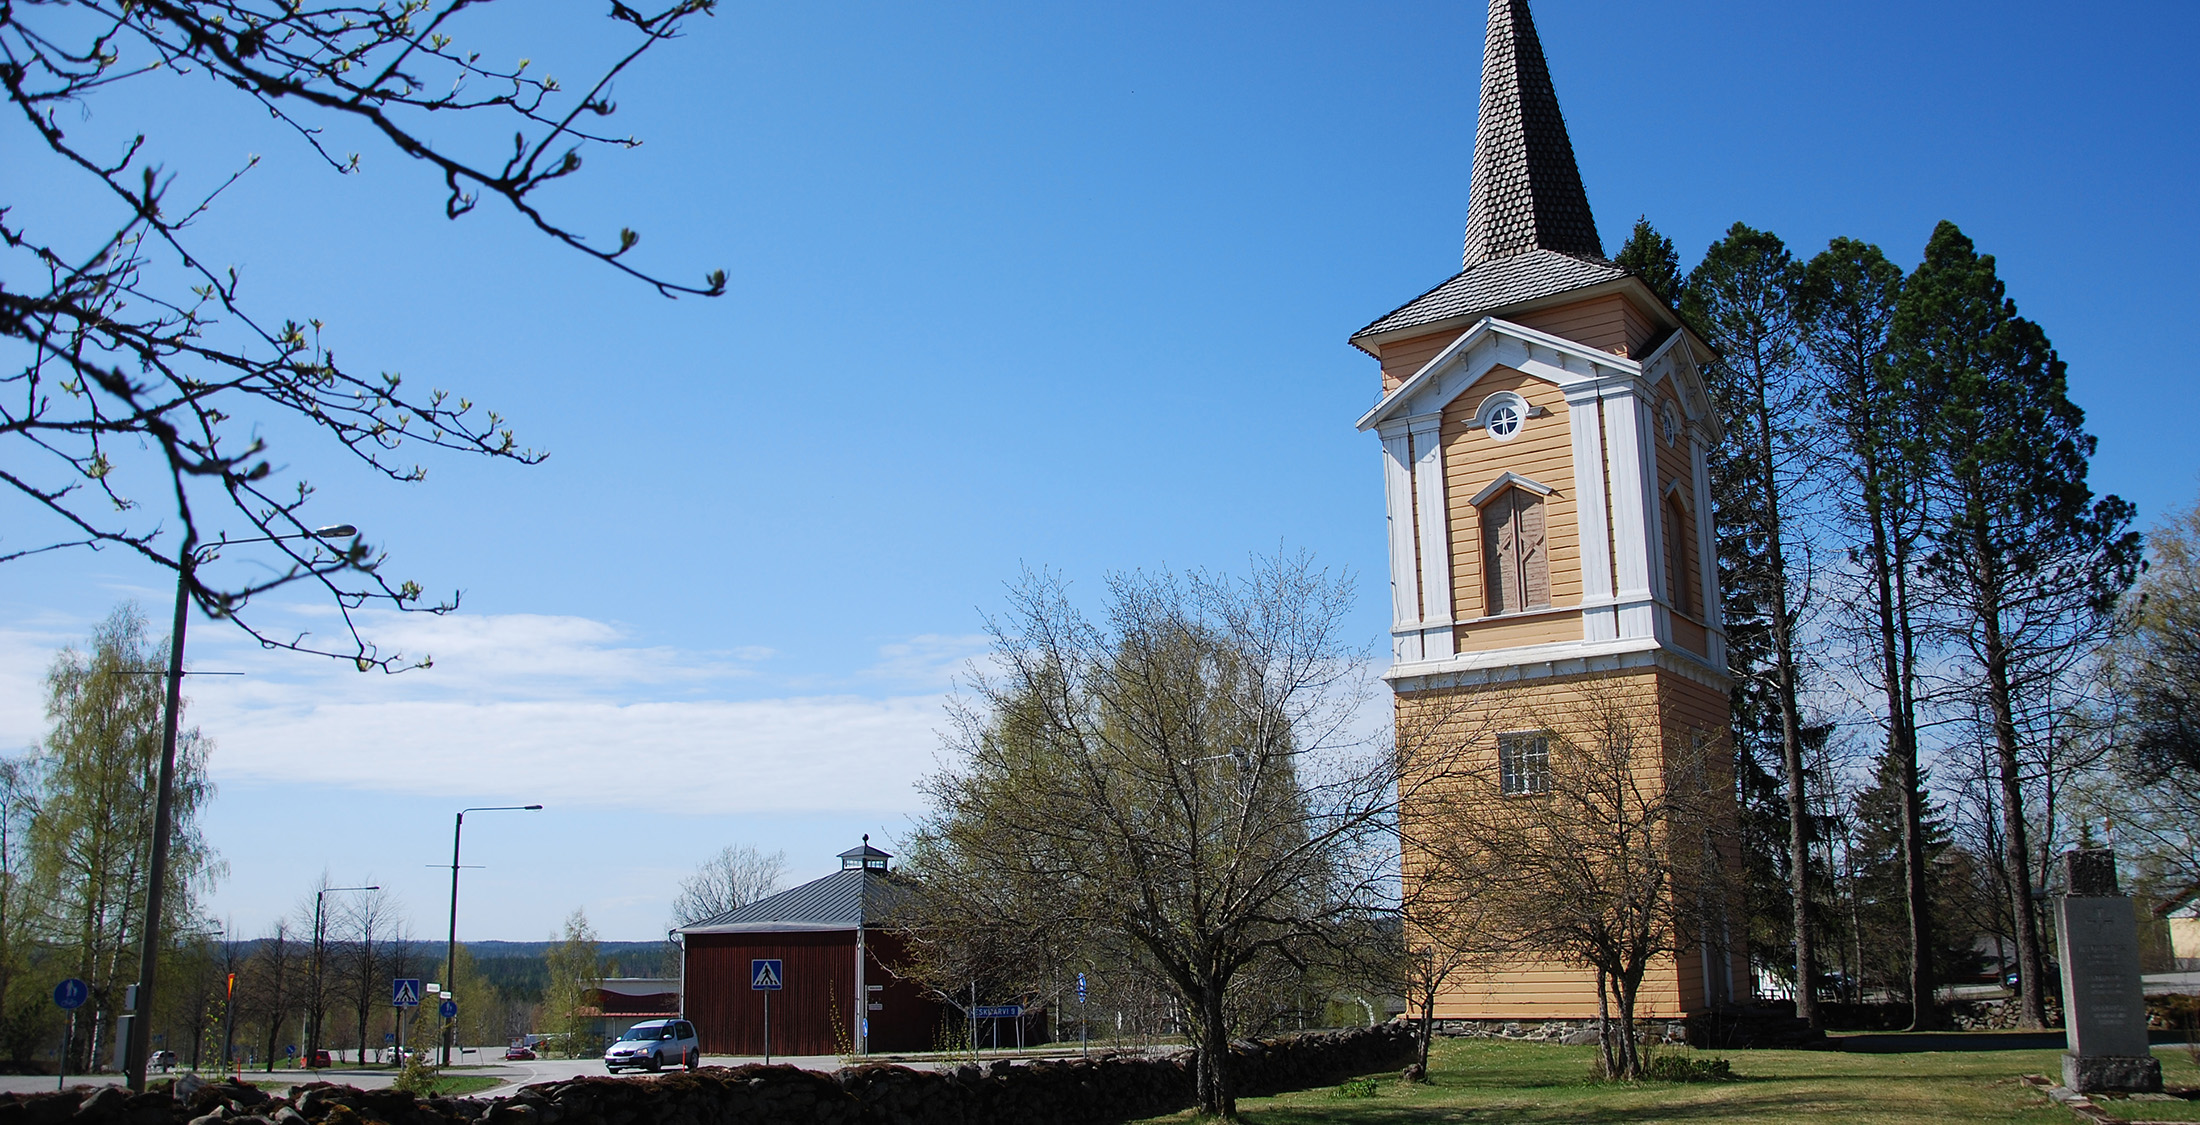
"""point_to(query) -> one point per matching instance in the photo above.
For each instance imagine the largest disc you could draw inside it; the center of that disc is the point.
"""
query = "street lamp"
(187, 561)
(313, 1033)
(450, 949)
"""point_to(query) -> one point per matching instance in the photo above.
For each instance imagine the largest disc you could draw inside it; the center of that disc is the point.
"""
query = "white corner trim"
(1405, 600)
(1506, 480)
(1434, 533)
(1570, 362)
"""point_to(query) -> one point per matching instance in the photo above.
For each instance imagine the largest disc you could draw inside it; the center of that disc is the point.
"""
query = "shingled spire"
(1526, 193)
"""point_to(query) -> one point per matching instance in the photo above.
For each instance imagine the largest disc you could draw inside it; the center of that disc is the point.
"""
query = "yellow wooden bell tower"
(1545, 433)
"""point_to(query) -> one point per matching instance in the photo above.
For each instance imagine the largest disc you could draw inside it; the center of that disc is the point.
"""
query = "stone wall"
(1102, 1091)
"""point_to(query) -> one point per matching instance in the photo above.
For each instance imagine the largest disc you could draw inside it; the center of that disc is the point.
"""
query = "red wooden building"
(827, 936)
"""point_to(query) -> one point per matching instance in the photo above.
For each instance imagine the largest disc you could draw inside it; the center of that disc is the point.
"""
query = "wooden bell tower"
(1545, 433)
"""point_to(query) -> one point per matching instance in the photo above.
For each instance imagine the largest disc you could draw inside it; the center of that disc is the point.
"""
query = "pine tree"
(2022, 556)
(1850, 293)
(1650, 256)
(1744, 298)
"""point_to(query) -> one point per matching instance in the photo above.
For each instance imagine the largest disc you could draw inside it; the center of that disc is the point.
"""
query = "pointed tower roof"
(1526, 192)
(1530, 235)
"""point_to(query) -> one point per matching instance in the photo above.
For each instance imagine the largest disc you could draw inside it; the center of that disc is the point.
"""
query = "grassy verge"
(459, 1085)
(1483, 1080)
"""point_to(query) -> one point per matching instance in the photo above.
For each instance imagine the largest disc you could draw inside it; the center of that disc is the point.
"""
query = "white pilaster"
(1633, 517)
(1435, 534)
(1405, 596)
(1592, 508)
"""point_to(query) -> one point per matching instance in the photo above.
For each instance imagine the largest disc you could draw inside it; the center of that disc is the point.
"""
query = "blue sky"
(1010, 285)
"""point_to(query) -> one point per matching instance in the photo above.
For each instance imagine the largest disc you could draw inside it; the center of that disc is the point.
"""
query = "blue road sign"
(1080, 988)
(389, 1037)
(997, 1011)
(766, 975)
(405, 992)
(71, 994)
(291, 1049)
(447, 1009)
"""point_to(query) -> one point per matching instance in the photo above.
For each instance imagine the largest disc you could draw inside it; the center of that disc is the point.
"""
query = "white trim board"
(1497, 343)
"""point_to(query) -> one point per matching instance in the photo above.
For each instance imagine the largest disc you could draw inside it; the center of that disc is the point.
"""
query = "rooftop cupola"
(864, 857)
(1526, 192)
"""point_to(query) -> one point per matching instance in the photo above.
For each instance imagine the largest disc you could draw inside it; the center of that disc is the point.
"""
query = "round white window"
(1669, 420)
(1503, 415)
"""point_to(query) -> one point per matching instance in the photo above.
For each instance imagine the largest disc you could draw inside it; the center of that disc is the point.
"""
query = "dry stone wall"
(1104, 1090)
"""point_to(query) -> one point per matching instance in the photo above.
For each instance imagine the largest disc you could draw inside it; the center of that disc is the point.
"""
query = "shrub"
(1356, 1088)
(1683, 1068)
(417, 1079)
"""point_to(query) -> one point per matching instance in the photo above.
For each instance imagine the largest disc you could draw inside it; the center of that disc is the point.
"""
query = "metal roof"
(843, 900)
(1526, 191)
(1497, 283)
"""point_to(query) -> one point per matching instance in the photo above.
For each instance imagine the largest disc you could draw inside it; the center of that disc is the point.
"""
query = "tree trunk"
(2016, 852)
(1606, 1041)
(1215, 1097)
(1791, 734)
(1889, 563)
(1630, 1052)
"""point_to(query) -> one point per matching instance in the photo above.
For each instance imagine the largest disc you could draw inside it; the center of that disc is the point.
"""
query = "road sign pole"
(768, 1022)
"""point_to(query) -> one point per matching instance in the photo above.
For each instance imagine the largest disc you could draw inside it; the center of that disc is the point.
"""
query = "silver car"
(655, 1045)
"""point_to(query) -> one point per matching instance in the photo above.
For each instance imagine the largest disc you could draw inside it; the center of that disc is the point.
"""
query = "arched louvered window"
(1515, 553)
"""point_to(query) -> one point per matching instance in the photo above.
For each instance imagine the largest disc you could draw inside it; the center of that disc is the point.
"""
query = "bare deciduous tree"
(1615, 856)
(1178, 780)
(737, 876)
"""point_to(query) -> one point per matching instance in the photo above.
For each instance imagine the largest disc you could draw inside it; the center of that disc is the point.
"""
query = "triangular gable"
(1493, 343)
(1676, 360)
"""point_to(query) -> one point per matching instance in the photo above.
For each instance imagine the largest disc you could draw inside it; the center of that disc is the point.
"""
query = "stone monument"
(2104, 1007)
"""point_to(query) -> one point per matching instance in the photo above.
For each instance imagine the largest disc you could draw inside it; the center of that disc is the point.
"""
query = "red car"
(320, 1058)
(518, 1053)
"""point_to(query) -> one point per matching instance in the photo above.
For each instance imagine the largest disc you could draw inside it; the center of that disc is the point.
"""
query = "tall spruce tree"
(1850, 294)
(2022, 556)
(1744, 298)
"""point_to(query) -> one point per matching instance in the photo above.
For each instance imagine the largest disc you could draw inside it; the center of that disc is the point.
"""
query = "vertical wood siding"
(1543, 452)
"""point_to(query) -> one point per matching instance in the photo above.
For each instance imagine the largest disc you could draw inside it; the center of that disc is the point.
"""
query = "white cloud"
(686, 756)
(553, 709)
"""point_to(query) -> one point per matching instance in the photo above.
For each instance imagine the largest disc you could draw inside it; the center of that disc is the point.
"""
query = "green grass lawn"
(1479, 1080)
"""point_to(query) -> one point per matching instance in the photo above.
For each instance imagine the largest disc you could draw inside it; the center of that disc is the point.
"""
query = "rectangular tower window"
(1514, 552)
(1523, 763)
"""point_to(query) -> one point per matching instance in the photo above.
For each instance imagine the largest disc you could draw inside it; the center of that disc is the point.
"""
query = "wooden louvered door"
(1516, 551)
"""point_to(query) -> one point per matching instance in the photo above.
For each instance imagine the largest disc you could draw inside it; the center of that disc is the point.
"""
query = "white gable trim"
(1508, 480)
(1672, 359)
(1497, 343)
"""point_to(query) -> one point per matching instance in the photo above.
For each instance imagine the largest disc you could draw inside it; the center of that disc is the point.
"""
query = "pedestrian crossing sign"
(765, 974)
(405, 992)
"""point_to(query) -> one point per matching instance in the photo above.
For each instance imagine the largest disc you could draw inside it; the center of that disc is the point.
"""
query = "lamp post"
(313, 1033)
(187, 561)
(450, 948)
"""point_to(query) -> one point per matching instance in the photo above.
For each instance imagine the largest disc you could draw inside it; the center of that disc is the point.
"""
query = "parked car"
(653, 1045)
(319, 1059)
(518, 1052)
(162, 1061)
